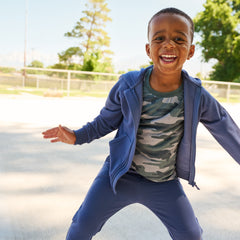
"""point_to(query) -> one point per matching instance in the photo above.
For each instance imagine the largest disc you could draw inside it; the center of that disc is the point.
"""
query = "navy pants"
(167, 200)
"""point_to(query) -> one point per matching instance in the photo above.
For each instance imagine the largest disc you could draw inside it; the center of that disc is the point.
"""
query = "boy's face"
(170, 43)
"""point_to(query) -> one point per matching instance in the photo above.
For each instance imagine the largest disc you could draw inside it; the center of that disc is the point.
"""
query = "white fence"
(223, 91)
(61, 80)
(69, 81)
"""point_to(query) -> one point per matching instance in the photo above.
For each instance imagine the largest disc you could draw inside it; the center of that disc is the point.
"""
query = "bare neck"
(165, 83)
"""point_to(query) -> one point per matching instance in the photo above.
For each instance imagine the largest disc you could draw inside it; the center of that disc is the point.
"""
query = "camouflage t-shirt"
(159, 133)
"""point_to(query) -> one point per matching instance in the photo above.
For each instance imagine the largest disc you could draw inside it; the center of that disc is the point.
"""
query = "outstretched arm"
(220, 124)
(60, 134)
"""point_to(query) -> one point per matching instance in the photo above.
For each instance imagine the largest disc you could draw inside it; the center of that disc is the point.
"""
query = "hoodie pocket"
(183, 160)
(119, 152)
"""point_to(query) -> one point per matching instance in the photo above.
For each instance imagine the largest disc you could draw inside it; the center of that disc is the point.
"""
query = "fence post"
(228, 92)
(62, 84)
(23, 81)
(68, 83)
(37, 83)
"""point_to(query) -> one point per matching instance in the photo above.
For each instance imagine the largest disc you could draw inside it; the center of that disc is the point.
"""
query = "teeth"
(169, 56)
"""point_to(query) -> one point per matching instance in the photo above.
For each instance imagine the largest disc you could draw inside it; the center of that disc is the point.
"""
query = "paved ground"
(42, 184)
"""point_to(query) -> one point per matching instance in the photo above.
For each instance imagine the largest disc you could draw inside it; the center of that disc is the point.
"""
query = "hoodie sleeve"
(107, 121)
(220, 124)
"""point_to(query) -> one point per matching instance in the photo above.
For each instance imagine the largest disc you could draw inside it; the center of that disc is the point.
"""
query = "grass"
(75, 93)
(19, 91)
(231, 100)
(6, 89)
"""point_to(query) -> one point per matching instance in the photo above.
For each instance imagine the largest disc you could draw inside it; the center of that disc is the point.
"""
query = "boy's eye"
(159, 38)
(179, 39)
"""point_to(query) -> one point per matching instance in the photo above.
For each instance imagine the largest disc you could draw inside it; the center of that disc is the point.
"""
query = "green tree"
(218, 26)
(94, 41)
(68, 55)
(7, 70)
(36, 64)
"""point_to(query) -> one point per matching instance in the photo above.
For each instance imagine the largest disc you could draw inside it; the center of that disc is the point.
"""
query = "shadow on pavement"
(43, 184)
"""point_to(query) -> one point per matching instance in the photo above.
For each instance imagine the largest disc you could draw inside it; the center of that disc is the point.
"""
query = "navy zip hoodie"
(122, 111)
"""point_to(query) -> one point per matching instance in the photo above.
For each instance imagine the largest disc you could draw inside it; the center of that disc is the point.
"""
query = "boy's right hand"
(60, 134)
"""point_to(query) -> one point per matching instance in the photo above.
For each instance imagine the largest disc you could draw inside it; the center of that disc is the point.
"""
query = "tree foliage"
(7, 70)
(36, 64)
(93, 51)
(70, 54)
(219, 28)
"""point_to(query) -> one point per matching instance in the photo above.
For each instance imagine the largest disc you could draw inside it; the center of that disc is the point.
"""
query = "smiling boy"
(156, 112)
(170, 45)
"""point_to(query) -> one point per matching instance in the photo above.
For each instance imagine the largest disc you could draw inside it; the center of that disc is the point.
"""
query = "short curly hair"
(173, 11)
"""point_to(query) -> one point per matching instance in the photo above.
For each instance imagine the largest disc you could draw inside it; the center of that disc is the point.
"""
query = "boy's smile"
(168, 58)
(170, 44)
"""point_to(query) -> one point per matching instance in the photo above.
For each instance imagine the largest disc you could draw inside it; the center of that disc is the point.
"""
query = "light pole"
(25, 40)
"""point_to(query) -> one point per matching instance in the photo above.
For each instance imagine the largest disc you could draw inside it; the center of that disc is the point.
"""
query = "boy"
(156, 112)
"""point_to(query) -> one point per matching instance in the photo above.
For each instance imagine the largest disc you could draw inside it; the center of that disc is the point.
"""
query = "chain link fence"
(223, 91)
(70, 82)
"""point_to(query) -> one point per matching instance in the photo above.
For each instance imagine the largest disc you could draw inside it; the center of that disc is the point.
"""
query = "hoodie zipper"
(193, 142)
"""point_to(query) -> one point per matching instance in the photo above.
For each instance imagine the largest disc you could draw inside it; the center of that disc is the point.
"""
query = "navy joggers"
(166, 200)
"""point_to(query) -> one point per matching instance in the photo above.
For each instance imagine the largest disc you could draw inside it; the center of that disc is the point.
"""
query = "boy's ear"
(147, 47)
(191, 51)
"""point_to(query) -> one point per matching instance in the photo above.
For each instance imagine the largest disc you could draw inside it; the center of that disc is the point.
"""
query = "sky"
(48, 20)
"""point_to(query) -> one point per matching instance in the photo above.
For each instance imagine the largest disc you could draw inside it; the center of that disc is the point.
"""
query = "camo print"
(159, 133)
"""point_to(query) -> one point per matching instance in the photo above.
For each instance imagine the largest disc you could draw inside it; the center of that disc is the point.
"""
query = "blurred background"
(43, 42)
(58, 61)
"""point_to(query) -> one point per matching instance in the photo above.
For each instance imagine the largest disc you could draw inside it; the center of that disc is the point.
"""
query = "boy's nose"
(169, 44)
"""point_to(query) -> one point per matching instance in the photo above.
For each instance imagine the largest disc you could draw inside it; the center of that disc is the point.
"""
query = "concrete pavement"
(43, 184)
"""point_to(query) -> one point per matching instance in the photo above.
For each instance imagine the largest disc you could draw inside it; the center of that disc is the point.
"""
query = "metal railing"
(69, 81)
(227, 91)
